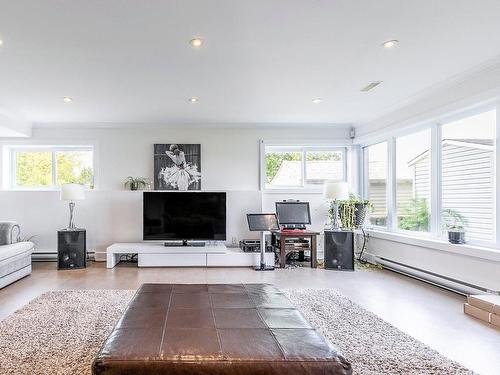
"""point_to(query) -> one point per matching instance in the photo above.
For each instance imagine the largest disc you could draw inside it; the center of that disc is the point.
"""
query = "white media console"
(213, 254)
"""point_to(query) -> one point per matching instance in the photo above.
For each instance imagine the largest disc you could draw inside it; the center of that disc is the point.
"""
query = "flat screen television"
(184, 216)
(293, 213)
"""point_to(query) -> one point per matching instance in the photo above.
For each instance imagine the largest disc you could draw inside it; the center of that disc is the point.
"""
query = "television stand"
(184, 243)
(213, 254)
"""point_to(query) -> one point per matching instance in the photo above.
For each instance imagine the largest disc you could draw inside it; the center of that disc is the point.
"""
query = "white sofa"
(15, 257)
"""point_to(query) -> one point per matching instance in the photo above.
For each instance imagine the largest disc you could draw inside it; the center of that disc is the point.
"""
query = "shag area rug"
(60, 332)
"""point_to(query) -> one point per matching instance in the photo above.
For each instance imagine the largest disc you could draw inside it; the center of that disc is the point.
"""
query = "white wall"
(230, 162)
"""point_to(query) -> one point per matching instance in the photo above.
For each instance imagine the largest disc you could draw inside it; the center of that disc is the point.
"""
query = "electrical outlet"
(234, 241)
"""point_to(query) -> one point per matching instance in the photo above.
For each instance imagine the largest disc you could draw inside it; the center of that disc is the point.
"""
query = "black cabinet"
(71, 249)
(339, 250)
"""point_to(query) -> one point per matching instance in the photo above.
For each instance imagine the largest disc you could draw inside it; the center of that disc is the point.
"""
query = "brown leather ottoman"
(235, 329)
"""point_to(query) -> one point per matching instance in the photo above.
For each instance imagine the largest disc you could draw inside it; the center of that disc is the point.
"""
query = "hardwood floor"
(432, 315)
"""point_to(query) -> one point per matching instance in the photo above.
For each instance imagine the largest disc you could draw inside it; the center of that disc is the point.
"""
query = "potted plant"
(134, 183)
(455, 224)
(353, 211)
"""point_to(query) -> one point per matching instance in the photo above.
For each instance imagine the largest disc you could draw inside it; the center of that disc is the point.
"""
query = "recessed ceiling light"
(194, 100)
(196, 42)
(371, 86)
(1, 42)
(390, 43)
(67, 99)
(317, 100)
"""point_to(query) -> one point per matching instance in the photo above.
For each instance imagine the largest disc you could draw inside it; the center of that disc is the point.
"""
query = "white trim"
(443, 115)
(435, 244)
(496, 180)
(392, 215)
(436, 177)
(190, 125)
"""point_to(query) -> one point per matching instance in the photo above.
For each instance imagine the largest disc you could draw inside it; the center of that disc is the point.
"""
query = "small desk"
(283, 235)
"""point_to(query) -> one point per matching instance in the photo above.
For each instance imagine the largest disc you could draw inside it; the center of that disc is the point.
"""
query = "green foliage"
(415, 216)
(135, 183)
(71, 169)
(349, 209)
(35, 169)
(323, 155)
(274, 160)
(453, 220)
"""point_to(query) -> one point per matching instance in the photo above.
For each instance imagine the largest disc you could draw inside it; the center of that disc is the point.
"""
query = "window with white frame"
(449, 166)
(299, 167)
(468, 171)
(48, 167)
(413, 181)
(376, 182)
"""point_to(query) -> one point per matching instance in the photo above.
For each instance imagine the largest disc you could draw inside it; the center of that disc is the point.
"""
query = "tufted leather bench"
(236, 329)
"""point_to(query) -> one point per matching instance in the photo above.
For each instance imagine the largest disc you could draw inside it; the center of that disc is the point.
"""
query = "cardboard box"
(477, 313)
(495, 320)
(486, 302)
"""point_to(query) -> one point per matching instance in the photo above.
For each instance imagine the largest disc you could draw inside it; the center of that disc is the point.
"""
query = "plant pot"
(360, 210)
(133, 186)
(456, 237)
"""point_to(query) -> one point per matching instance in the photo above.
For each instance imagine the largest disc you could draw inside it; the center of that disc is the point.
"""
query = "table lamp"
(336, 191)
(72, 193)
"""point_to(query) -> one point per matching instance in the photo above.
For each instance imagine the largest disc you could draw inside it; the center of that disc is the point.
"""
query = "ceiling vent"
(371, 86)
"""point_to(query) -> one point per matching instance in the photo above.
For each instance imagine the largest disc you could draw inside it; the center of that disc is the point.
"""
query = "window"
(376, 188)
(47, 167)
(301, 167)
(440, 176)
(413, 181)
(468, 171)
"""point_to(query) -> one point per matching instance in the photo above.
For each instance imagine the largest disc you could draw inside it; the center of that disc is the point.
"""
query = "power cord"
(128, 258)
(360, 259)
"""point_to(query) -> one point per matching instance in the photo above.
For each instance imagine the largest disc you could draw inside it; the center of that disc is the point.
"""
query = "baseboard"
(454, 285)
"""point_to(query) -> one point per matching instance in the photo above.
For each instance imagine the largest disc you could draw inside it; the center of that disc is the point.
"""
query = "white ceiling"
(262, 61)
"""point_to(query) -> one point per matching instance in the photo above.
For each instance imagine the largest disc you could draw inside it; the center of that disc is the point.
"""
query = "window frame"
(365, 177)
(10, 152)
(435, 125)
(303, 148)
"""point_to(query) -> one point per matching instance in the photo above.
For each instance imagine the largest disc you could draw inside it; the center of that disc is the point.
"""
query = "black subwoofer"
(71, 249)
(339, 250)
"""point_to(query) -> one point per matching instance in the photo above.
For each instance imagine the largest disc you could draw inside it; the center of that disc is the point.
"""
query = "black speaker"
(339, 250)
(71, 249)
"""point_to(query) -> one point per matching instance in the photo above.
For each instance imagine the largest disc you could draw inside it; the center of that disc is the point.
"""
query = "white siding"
(468, 187)
(377, 195)
(423, 178)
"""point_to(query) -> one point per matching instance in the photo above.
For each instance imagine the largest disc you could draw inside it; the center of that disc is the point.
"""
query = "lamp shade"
(72, 192)
(336, 190)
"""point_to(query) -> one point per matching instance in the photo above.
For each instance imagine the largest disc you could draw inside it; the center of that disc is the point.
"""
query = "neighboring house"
(377, 192)
(467, 182)
(290, 172)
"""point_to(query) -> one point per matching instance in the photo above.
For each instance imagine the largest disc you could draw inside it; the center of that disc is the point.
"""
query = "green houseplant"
(353, 211)
(134, 183)
(455, 224)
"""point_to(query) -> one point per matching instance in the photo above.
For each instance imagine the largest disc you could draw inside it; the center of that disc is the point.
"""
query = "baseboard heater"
(48, 256)
(51, 256)
(454, 285)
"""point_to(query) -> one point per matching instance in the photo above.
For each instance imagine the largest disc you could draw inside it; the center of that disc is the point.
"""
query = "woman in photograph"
(181, 174)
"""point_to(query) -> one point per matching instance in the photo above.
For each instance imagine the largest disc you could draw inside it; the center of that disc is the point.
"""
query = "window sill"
(292, 191)
(488, 253)
(58, 190)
